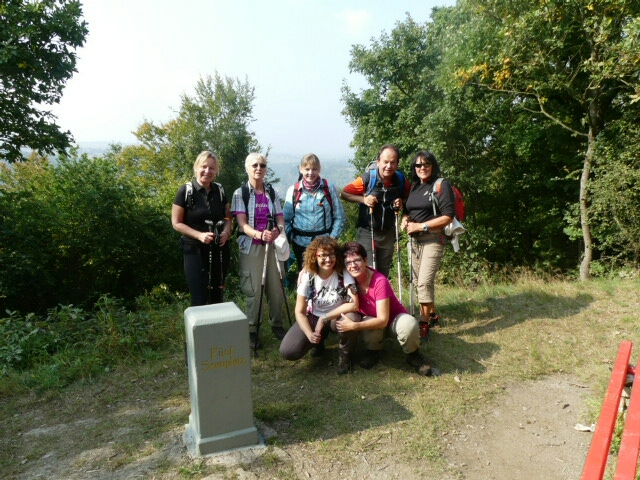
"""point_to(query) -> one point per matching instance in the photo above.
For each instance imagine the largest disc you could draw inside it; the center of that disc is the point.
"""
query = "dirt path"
(527, 433)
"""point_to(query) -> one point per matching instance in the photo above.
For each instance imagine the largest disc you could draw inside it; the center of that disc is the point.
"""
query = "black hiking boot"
(317, 350)
(252, 341)
(278, 332)
(371, 357)
(416, 360)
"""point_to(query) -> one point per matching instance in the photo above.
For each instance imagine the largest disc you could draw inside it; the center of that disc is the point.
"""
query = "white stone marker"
(219, 361)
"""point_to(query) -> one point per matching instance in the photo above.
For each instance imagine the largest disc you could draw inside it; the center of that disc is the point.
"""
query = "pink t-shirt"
(379, 289)
(261, 214)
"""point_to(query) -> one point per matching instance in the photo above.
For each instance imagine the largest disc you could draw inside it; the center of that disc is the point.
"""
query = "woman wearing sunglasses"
(254, 205)
(427, 212)
(325, 292)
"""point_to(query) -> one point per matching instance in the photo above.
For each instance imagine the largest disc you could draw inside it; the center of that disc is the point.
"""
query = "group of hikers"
(340, 288)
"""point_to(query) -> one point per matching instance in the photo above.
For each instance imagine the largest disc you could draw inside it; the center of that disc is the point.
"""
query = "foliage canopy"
(38, 40)
(530, 107)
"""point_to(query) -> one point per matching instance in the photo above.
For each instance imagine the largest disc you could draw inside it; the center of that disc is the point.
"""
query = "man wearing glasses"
(380, 193)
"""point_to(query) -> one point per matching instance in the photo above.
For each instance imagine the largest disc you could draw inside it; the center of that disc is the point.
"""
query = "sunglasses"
(422, 165)
(261, 165)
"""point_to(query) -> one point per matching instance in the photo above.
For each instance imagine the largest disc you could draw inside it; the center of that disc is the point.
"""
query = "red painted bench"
(627, 464)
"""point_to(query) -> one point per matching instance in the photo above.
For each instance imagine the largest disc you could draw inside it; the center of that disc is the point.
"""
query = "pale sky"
(141, 55)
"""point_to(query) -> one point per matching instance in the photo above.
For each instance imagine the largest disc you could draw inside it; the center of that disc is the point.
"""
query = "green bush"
(70, 343)
(73, 231)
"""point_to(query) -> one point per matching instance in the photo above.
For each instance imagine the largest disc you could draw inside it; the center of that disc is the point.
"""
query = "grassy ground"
(128, 422)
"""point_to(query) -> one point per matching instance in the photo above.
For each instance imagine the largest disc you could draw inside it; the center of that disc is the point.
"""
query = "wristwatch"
(425, 228)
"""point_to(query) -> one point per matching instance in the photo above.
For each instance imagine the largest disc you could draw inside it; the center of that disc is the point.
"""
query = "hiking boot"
(416, 360)
(424, 330)
(434, 320)
(371, 357)
(317, 350)
(344, 363)
(252, 341)
(278, 332)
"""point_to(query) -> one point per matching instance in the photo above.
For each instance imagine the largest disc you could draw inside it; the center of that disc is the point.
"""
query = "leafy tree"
(512, 97)
(37, 56)
(77, 229)
(486, 147)
(569, 61)
(216, 118)
(615, 191)
(399, 68)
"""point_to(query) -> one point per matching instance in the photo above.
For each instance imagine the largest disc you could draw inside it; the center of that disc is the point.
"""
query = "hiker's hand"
(397, 204)
(207, 237)
(315, 338)
(224, 237)
(268, 236)
(345, 324)
(370, 201)
(414, 227)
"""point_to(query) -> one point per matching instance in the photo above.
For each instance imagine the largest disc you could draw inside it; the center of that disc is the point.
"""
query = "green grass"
(490, 337)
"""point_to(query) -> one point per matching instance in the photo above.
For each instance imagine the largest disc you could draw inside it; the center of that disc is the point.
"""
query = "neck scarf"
(311, 186)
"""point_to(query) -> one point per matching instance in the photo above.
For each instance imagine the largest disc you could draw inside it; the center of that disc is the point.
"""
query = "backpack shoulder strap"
(272, 193)
(188, 194)
(371, 181)
(220, 190)
(435, 196)
(297, 193)
(327, 192)
(311, 287)
(245, 197)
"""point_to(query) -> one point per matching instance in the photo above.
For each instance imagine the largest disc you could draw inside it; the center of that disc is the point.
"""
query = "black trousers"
(196, 271)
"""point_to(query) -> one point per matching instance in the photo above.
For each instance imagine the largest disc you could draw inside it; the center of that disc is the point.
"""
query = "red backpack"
(458, 201)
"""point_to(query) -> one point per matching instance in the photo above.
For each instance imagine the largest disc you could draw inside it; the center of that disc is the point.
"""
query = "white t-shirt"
(327, 297)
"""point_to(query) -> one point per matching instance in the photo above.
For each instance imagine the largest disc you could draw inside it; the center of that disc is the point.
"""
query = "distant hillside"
(337, 170)
(340, 173)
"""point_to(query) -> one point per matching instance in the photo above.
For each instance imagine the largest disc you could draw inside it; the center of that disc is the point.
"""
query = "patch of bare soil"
(528, 433)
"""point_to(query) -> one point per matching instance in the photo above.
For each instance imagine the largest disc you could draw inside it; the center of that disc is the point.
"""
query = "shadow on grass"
(307, 400)
(498, 313)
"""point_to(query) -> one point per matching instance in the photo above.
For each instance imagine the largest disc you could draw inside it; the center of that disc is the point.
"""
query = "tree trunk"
(584, 207)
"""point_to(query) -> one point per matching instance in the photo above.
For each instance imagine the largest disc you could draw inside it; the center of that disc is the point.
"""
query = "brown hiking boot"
(416, 360)
(344, 363)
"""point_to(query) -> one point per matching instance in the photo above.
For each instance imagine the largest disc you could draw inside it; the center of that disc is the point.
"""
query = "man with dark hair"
(380, 192)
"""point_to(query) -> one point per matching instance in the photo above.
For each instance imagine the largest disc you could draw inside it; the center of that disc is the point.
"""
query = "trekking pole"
(209, 287)
(264, 277)
(284, 293)
(397, 211)
(219, 228)
(373, 242)
(410, 245)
